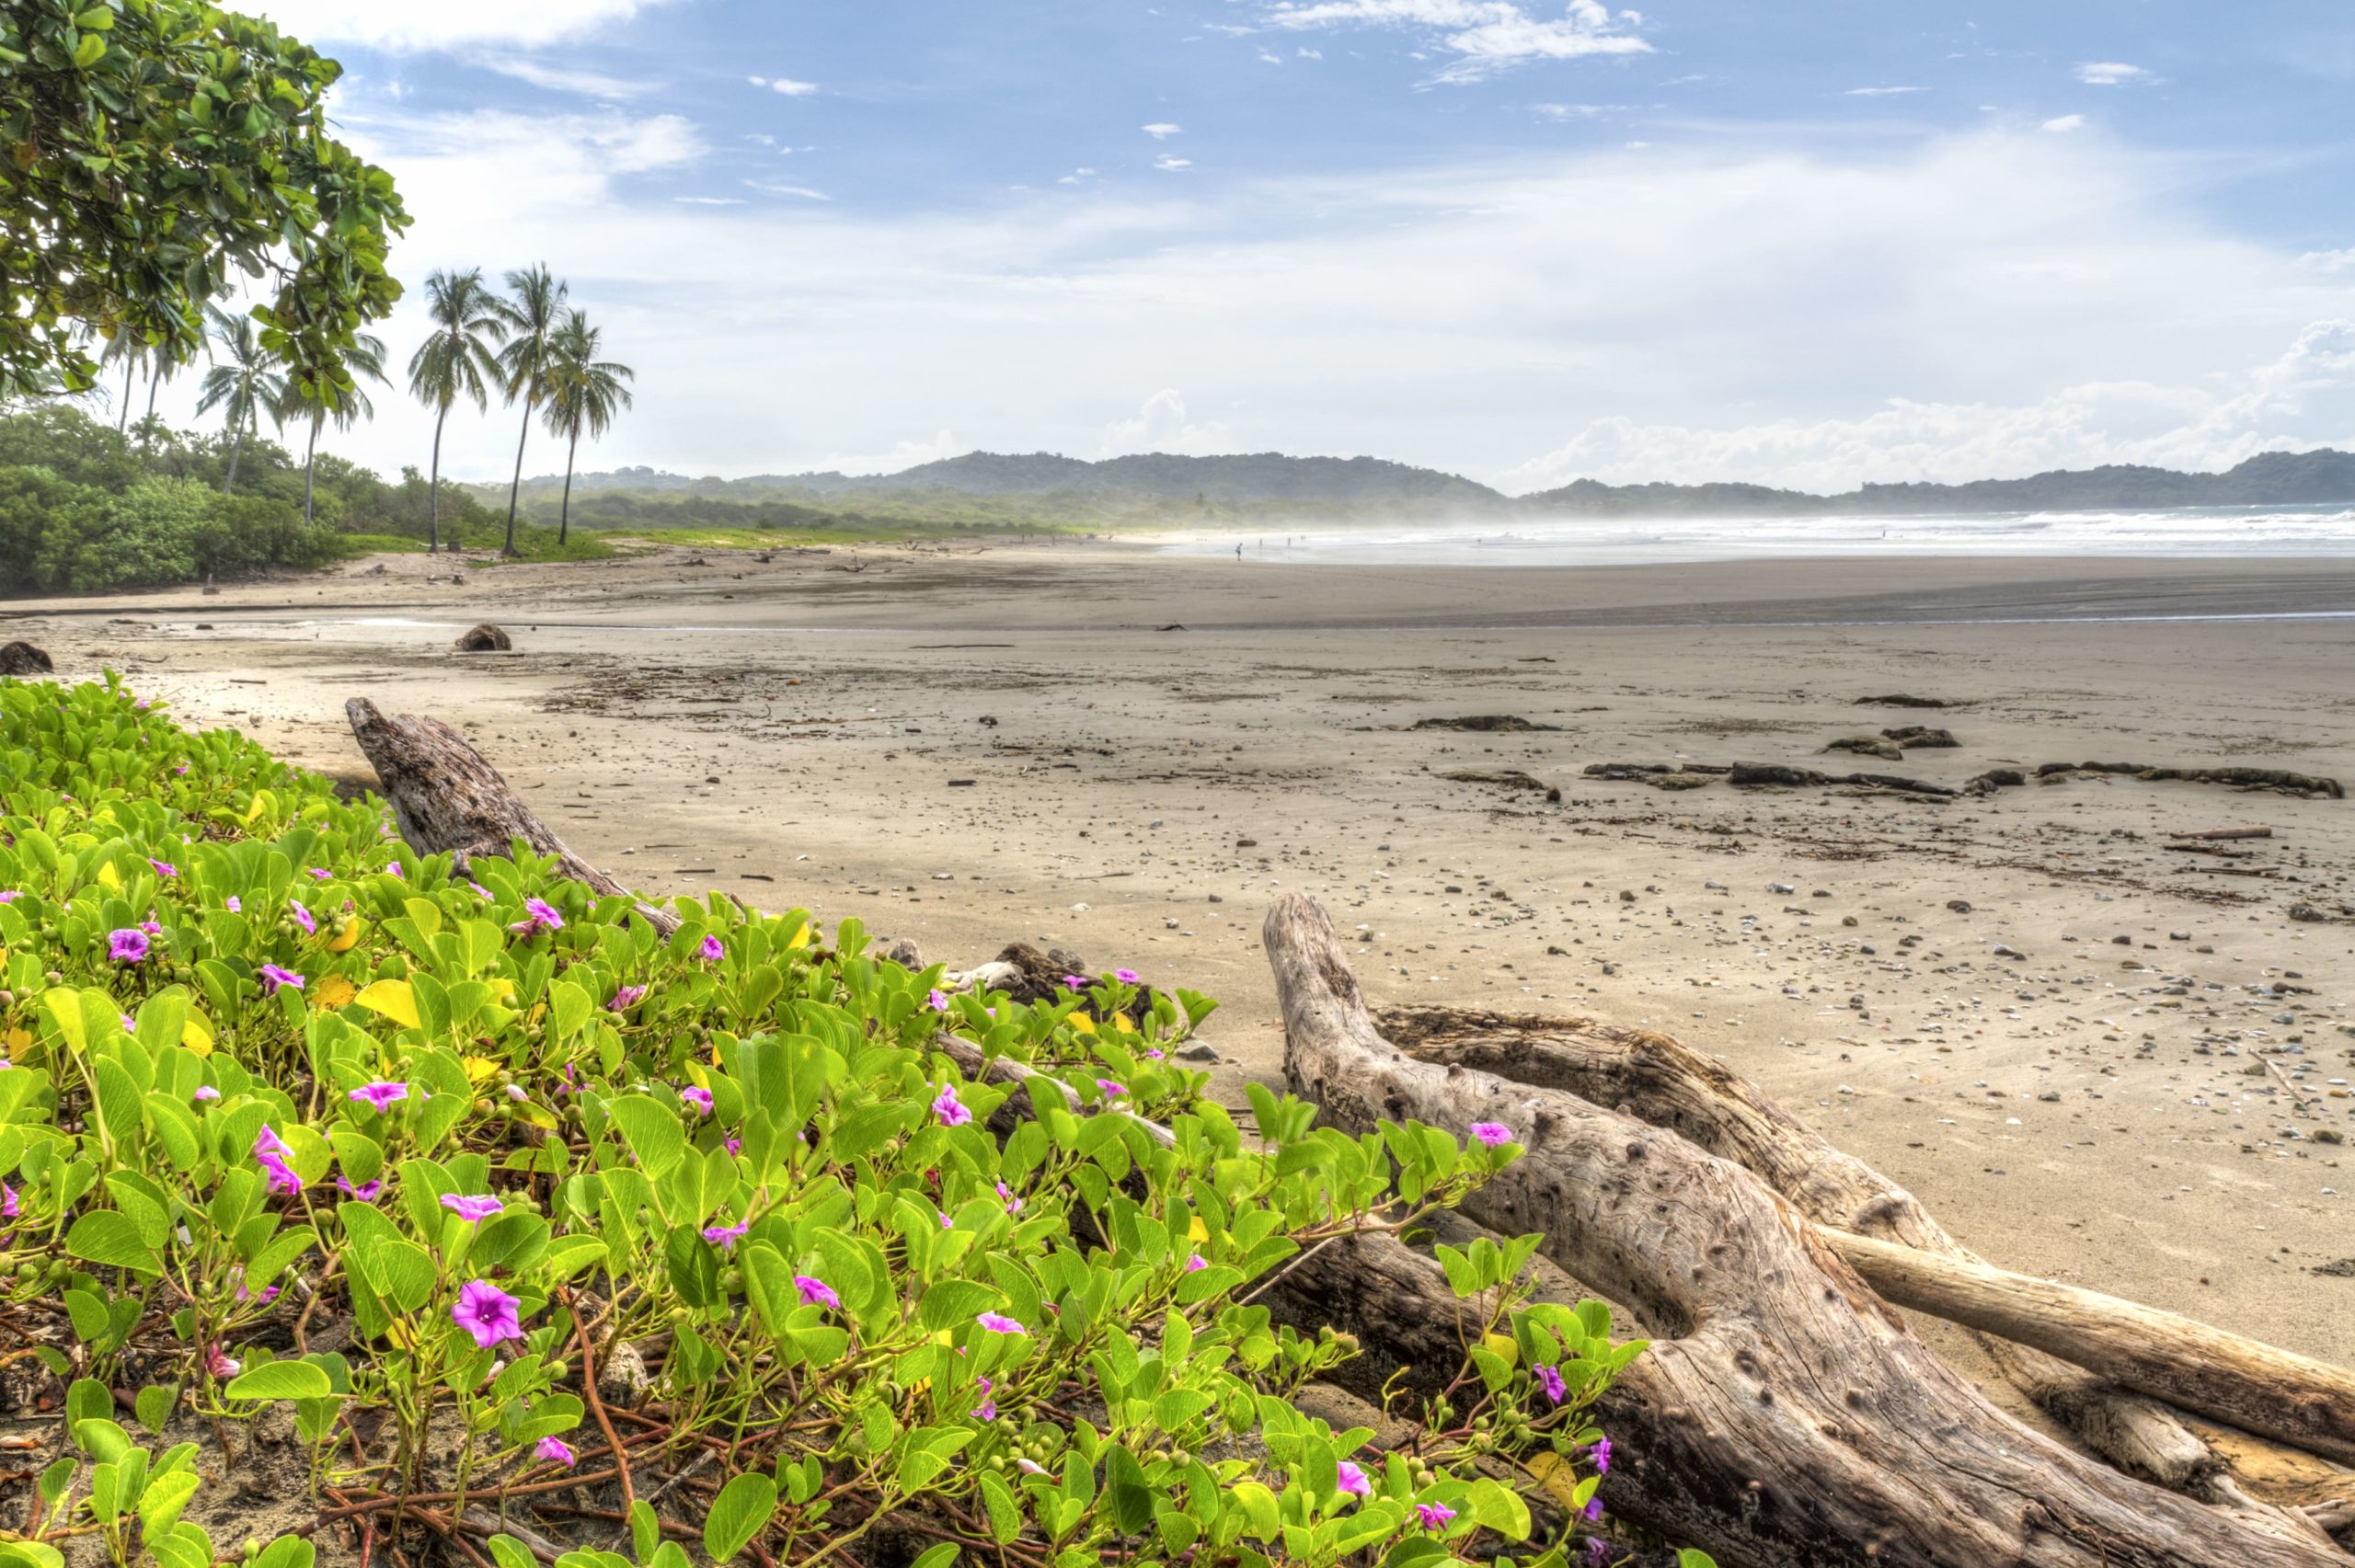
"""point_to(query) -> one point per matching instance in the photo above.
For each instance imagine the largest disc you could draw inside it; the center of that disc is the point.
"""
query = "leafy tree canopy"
(148, 148)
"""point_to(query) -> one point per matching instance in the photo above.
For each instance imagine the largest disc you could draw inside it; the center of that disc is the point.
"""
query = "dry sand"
(2026, 1008)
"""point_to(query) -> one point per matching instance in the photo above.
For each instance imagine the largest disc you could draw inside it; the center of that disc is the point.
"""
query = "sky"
(1523, 240)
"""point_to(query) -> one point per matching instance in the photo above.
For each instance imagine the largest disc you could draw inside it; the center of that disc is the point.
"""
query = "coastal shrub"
(270, 1072)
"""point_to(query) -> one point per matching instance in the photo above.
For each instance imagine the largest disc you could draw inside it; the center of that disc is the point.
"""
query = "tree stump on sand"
(487, 637)
(1785, 1416)
(22, 659)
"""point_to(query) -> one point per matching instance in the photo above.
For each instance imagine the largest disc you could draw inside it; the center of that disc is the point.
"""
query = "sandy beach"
(2097, 1058)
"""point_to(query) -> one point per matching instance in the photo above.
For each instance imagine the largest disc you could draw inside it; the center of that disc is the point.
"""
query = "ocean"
(2190, 531)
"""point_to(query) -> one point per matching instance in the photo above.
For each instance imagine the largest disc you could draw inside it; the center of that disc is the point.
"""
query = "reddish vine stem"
(589, 1386)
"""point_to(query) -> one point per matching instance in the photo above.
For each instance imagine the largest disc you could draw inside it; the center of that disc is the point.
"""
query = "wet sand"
(2027, 1008)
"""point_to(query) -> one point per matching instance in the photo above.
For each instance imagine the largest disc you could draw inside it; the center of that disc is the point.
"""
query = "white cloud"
(1467, 315)
(799, 192)
(1168, 164)
(1881, 92)
(2066, 123)
(1565, 112)
(2280, 404)
(1160, 425)
(2113, 74)
(710, 200)
(442, 24)
(557, 79)
(1163, 130)
(784, 85)
(1487, 35)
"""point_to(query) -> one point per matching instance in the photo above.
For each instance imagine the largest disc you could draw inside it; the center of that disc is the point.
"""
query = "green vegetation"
(502, 1125)
(84, 509)
(158, 148)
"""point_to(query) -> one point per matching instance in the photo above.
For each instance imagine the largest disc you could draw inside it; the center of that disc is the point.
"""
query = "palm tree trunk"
(564, 519)
(433, 495)
(517, 487)
(235, 453)
(130, 368)
(310, 461)
(154, 382)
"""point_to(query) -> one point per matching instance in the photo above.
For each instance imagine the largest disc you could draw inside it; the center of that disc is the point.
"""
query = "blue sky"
(1522, 239)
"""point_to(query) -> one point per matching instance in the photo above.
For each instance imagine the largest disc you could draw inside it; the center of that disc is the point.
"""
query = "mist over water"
(1487, 542)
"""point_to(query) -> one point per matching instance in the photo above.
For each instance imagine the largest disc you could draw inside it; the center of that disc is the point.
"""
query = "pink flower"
(625, 999)
(950, 1110)
(1152, 1055)
(987, 1409)
(998, 1323)
(1126, 977)
(393, 868)
(474, 1208)
(937, 1002)
(1113, 1090)
(712, 950)
(267, 1141)
(382, 1096)
(725, 1237)
(206, 1091)
(1492, 1133)
(236, 908)
(282, 1178)
(1435, 1516)
(817, 1293)
(128, 945)
(1601, 1455)
(1029, 1468)
(555, 1450)
(1196, 1264)
(699, 1098)
(319, 873)
(8, 1207)
(1550, 1380)
(1352, 1480)
(1006, 1196)
(538, 915)
(221, 1366)
(275, 979)
(165, 868)
(1074, 983)
(487, 1313)
(365, 1191)
(303, 917)
(480, 891)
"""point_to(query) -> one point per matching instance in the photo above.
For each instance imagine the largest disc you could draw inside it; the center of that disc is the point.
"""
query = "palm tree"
(130, 350)
(248, 386)
(457, 361)
(584, 394)
(532, 317)
(346, 404)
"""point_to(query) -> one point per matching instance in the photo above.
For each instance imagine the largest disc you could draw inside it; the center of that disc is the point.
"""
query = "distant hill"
(1263, 482)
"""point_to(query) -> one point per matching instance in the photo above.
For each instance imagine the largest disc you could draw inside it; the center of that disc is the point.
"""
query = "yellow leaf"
(481, 1070)
(1196, 1230)
(263, 801)
(109, 876)
(347, 934)
(539, 1117)
(394, 999)
(799, 939)
(64, 1005)
(1503, 1347)
(333, 991)
(1557, 1476)
(197, 1036)
(1083, 1022)
(502, 987)
(19, 1041)
(1120, 1021)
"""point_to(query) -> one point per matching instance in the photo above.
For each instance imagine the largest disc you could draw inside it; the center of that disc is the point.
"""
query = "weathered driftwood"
(2240, 778)
(1785, 1416)
(446, 798)
(2214, 833)
(1661, 1081)
(22, 659)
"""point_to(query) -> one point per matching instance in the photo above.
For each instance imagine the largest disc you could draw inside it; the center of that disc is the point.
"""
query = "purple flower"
(1074, 983)
(1197, 1263)
(382, 1096)
(475, 1208)
(1492, 1133)
(206, 1091)
(555, 1450)
(1151, 1054)
(319, 873)
(817, 1293)
(998, 1323)
(1006, 1196)
(1598, 1550)
(712, 951)
(222, 1365)
(699, 1098)
(1352, 1480)
(1550, 1380)
(725, 1237)
(950, 1110)
(236, 908)
(9, 895)
(1601, 1455)
(129, 1027)
(393, 868)
(8, 1210)
(149, 925)
(937, 1002)
(625, 999)
(127, 946)
(1435, 1516)
(1592, 1511)
(487, 1313)
(165, 867)
(538, 914)
(1112, 1089)
(269, 1142)
(302, 917)
(282, 1178)
(365, 1191)
(735, 1146)
(1126, 977)
(275, 979)
(480, 891)
(987, 1409)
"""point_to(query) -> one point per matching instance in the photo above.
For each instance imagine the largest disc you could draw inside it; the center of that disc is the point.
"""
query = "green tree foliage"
(153, 148)
(459, 361)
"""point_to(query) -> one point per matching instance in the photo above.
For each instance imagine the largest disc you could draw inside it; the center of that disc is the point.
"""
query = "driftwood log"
(22, 659)
(445, 798)
(1661, 1080)
(1785, 1415)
